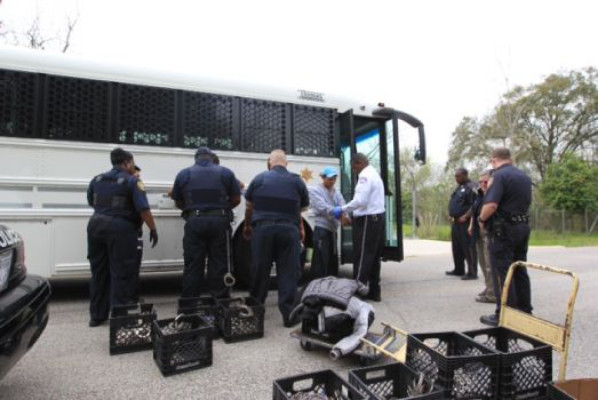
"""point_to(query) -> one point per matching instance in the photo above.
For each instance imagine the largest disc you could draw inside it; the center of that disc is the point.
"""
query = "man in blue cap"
(206, 192)
(324, 197)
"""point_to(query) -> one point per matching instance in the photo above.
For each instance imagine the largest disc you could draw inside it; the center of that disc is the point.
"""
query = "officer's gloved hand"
(153, 237)
(338, 212)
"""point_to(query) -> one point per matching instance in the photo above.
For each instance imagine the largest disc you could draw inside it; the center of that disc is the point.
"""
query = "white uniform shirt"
(369, 194)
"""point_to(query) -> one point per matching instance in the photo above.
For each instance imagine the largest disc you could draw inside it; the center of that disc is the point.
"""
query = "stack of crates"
(241, 319)
(204, 306)
(131, 328)
(464, 368)
(525, 363)
(319, 384)
(394, 381)
(182, 344)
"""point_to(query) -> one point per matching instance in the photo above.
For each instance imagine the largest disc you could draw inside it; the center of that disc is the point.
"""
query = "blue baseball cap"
(329, 172)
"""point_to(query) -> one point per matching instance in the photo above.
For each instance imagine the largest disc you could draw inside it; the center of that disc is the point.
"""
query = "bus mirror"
(418, 156)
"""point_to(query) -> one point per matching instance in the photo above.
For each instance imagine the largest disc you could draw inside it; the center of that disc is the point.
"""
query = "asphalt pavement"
(72, 361)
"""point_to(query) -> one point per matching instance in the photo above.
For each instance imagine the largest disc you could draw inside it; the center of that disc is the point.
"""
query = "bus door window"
(392, 233)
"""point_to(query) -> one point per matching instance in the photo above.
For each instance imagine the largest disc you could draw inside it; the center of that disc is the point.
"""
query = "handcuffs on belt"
(229, 279)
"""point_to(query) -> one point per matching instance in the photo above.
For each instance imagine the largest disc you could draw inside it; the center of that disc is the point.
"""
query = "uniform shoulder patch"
(140, 185)
(363, 179)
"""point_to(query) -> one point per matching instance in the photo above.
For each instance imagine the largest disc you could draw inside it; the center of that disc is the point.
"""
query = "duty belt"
(272, 222)
(519, 219)
(210, 213)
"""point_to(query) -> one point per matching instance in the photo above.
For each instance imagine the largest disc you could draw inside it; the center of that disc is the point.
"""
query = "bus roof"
(47, 62)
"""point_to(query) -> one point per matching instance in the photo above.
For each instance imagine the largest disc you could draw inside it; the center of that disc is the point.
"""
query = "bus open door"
(378, 138)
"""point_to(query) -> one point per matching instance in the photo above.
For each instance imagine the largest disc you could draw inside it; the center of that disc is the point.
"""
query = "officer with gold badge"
(120, 208)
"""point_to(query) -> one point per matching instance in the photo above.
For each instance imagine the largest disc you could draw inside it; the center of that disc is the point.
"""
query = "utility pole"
(413, 211)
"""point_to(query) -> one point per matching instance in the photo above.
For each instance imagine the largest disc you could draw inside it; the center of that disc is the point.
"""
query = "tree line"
(551, 128)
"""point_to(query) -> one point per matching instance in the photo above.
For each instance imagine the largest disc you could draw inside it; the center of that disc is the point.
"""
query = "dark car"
(23, 301)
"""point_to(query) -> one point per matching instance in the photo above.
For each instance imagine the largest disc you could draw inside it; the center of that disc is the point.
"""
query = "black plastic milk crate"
(205, 306)
(241, 318)
(525, 363)
(463, 367)
(396, 381)
(131, 328)
(182, 344)
(326, 383)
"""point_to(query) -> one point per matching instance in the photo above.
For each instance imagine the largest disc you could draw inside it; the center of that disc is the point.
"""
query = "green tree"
(541, 124)
(571, 185)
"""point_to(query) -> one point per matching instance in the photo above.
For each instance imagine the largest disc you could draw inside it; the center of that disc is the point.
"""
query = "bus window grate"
(263, 125)
(314, 131)
(207, 121)
(146, 115)
(77, 109)
(17, 104)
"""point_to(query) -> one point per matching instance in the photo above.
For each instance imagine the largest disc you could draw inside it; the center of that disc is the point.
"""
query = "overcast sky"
(437, 60)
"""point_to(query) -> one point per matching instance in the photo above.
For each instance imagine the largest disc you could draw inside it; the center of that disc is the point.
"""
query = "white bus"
(60, 116)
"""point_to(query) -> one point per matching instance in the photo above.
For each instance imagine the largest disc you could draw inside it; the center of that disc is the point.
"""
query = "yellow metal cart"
(556, 335)
(553, 334)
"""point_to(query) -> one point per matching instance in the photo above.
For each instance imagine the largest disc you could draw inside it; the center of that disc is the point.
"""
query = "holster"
(499, 227)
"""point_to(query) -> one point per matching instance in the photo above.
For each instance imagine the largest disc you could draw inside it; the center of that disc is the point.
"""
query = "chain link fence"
(562, 221)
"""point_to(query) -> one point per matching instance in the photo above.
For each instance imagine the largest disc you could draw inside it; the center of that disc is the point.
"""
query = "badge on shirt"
(140, 185)
(363, 179)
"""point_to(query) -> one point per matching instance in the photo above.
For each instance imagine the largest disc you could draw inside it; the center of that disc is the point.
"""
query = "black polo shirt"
(511, 190)
(461, 200)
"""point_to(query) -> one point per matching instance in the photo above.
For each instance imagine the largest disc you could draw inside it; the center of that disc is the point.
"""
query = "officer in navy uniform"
(207, 193)
(460, 208)
(506, 213)
(275, 199)
(120, 208)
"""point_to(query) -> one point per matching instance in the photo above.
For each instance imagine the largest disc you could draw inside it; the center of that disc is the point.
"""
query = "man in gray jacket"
(324, 197)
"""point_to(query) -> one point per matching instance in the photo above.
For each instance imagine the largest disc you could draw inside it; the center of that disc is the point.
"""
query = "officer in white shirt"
(368, 224)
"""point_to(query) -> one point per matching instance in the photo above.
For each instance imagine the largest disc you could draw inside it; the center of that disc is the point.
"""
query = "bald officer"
(275, 199)
(369, 221)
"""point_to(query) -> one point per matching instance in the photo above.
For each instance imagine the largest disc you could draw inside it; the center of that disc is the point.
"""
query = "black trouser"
(206, 237)
(463, 249)
(277, 243)
(325, 259)
(112, 254)
(368, 242)
(506, 247)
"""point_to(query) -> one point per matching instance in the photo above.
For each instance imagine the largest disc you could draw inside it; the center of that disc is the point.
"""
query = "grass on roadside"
(538, 238)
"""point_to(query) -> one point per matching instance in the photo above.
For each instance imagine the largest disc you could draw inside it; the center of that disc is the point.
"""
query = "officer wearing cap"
(506, 214)
(368, 224)
(120, 208)
(207, 193)
(324, 197)
(275, 199)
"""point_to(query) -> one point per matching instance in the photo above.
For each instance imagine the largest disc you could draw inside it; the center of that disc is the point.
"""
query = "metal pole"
(563, 220)
(585, 211)
(414, 218)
